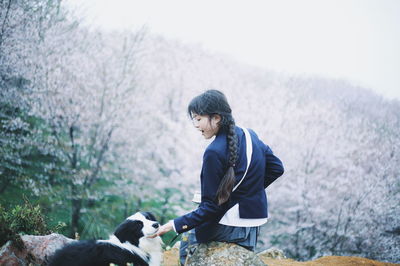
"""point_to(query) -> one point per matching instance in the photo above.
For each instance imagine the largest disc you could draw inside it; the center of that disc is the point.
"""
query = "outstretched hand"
(163, 229)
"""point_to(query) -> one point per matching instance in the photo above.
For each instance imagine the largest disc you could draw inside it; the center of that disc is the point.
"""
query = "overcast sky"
(358, 40)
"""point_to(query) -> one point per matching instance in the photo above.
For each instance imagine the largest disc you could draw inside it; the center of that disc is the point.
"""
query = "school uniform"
(247, 207)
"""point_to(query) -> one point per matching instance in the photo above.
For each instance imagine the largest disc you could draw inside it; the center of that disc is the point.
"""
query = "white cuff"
(173, 224)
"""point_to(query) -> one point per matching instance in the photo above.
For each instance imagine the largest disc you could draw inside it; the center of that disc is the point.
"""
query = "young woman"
(223, 215)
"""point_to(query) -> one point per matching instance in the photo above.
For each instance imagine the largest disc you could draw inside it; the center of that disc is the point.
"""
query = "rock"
(36, 251)
(272, 253)
(227, 254)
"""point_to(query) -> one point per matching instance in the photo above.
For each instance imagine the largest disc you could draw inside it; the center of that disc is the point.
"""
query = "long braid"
(232, 144)
(228, 181)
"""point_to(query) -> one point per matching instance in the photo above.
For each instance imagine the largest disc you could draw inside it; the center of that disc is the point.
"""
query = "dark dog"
(128, 244)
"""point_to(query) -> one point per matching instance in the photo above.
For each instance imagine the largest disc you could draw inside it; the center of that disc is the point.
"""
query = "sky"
(357, 40)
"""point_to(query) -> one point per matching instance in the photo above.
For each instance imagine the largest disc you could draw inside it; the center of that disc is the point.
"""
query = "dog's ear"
(149, 216)
(129, 231)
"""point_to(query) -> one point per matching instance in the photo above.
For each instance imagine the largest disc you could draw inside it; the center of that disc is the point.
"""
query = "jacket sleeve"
(211, 175)
(273, 167)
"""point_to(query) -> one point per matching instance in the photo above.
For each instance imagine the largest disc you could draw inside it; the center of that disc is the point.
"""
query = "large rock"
(271, 253)
(36, 251)
(227, 254)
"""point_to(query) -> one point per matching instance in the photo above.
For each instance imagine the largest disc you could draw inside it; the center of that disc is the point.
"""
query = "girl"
(226, 215)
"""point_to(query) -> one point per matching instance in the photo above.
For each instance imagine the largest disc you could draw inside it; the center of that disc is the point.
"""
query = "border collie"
(128, 244)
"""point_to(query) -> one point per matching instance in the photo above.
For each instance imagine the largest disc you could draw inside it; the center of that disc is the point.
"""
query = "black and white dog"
(128, 244)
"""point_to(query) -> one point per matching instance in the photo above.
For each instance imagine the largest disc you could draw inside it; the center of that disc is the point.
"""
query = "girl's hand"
(164, 229)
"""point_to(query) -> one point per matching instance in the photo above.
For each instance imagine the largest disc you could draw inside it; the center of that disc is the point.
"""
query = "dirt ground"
(328, 261)
(171, 259)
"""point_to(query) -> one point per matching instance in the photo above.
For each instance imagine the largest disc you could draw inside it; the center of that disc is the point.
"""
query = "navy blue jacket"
(264, 169)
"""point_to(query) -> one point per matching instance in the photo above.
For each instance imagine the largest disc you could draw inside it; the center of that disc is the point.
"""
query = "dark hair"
(211, 103)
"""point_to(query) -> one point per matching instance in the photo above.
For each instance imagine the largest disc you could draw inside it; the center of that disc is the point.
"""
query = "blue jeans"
(243, 236)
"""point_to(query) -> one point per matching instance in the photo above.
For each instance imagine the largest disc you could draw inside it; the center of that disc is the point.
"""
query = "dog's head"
(137, 226)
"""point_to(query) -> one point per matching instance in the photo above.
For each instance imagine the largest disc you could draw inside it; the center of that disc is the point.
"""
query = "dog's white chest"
(153, 247)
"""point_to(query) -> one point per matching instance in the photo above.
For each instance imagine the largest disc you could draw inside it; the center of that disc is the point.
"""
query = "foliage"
(23, 219)
(25, 159)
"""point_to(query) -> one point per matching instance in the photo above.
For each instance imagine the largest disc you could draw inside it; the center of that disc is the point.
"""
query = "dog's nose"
(156, 225)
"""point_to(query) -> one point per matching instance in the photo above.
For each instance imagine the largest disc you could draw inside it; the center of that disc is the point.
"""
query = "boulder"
(36, 250)
(227, 254)
(272, 253)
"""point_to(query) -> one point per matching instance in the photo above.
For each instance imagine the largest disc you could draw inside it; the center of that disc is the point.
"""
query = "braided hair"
(211, 103)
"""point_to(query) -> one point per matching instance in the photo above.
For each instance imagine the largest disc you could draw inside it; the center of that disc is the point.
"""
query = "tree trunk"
(76, 204)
